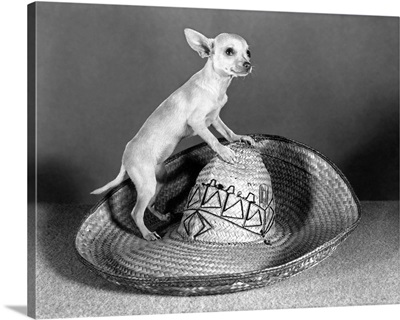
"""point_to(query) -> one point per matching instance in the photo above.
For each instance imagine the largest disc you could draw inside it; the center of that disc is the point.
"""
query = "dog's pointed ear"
(199, 43)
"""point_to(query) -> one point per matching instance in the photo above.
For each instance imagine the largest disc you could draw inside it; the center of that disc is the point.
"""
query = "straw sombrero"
(280, 209)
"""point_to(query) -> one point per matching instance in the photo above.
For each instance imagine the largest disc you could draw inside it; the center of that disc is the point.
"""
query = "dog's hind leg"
(146, 184)
(161, 177)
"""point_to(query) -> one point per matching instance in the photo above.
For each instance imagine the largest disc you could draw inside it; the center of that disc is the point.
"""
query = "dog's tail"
(122, 176)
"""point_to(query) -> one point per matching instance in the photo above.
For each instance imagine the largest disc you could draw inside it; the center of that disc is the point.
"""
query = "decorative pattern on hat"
(215, 212)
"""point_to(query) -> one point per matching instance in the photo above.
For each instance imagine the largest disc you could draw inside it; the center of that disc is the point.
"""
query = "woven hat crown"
(230, 203)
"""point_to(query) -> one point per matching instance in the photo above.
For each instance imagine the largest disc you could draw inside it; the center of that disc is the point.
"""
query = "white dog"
(188, 111)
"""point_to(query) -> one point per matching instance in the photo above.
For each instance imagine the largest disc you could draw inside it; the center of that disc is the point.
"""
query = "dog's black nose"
(247, 65)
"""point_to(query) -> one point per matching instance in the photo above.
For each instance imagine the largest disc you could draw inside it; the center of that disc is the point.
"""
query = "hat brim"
(316, 210)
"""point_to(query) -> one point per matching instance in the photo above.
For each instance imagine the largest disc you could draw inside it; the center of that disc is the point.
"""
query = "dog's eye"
(229, 51)
(248, 53)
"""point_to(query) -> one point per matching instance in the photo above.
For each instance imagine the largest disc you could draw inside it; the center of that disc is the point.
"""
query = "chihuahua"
(188, 111)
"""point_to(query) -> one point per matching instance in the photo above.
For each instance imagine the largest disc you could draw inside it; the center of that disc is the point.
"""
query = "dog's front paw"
(227, 154)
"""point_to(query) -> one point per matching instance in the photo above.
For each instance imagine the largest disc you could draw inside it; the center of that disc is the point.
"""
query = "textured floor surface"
(363, 270)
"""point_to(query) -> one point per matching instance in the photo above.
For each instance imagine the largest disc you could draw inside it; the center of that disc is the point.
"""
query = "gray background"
(330, 81)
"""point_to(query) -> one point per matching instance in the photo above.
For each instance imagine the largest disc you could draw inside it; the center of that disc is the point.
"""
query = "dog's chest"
(216, 106)
(222, 100)
(219, 102)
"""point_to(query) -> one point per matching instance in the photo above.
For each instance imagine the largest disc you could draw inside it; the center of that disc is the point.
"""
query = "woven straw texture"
(315, 210)
(230, 202)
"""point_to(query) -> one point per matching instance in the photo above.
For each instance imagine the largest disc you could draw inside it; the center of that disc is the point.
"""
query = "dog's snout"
(247, 65)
